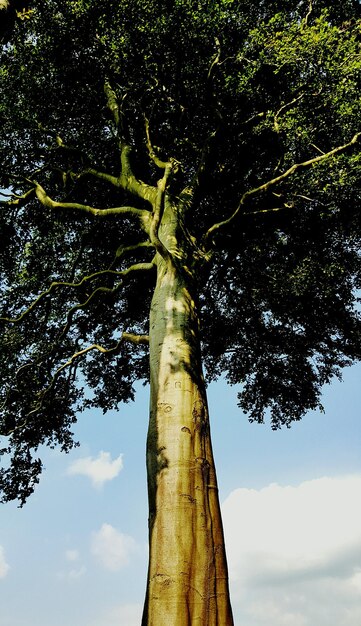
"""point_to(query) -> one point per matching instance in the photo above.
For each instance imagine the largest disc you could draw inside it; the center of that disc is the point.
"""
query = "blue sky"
(76, 554)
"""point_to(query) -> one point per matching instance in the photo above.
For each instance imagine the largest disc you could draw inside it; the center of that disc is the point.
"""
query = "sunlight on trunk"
(187, 579)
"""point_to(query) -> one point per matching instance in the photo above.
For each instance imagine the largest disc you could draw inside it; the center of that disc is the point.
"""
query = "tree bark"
(187, 577)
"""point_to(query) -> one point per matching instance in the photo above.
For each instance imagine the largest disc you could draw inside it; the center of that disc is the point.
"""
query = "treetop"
(245, 117)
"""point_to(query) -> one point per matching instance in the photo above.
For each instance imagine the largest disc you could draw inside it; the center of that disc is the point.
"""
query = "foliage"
(236, 94)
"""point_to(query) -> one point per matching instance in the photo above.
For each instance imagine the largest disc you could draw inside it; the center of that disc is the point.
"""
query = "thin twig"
(130, 337)
(274, 181)
(307, 17)
(54, 285)
(285, 106)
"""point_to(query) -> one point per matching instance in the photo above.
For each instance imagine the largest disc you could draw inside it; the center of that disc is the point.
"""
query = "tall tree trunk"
(187, 577)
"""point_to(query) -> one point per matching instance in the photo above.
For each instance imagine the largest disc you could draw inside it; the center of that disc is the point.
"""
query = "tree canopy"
(256, 105)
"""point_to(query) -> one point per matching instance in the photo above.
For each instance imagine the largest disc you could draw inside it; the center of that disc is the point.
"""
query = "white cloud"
(294, 553)
(4, 567)
(72, 574)
(127, 614)
(76, 573)
(112, 548)
(99, 470)
(72, 555)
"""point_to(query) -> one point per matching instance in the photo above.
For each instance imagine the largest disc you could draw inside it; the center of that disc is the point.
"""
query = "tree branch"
(216, 58)
(126, 180)
(60, 142)
(136, 339)
(129, 182)
(158, 162)
(133, 338)
(137, 267)
(274, 181)
(255, 116)
(112, 105)
(45, 200)
(16, 200)
(130, 337)
(159, 210)
(188, 192)
(285, 106)
(54, 285)
(109, 178)
(125, 249)
(307, 17)
(129, 249)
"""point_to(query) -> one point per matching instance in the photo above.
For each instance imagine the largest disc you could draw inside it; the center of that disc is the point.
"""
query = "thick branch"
(122, 250)
(158, 162)
(137, 246)
(136, 339)
(158, 212)
(112, 104)
(109, 178)
(274, 181)
(141, 214)
(126, 180)
(130, 183)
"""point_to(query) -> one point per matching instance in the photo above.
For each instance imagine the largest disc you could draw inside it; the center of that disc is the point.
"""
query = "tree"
(12, 11)
(181, 190)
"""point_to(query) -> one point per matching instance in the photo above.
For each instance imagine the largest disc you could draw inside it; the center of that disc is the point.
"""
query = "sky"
(76, 553)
